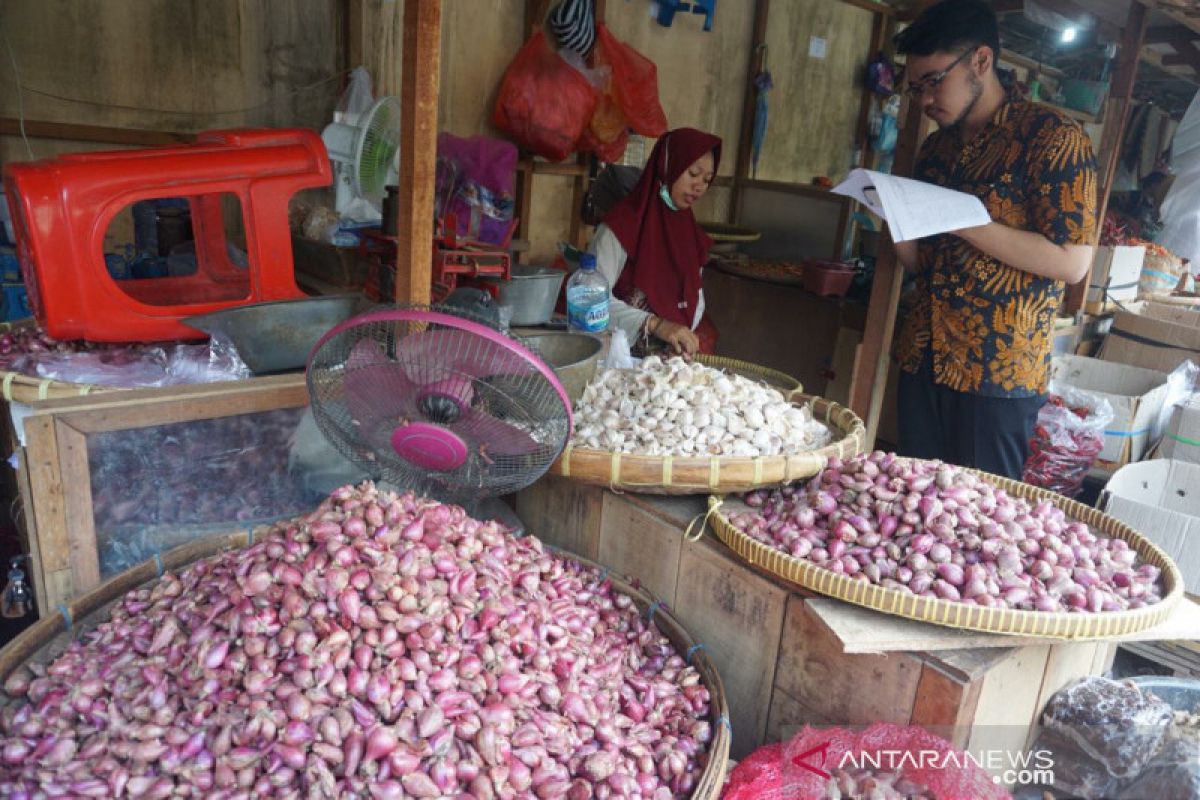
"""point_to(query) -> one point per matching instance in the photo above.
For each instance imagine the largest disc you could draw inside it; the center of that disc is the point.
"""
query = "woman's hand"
(681, 339)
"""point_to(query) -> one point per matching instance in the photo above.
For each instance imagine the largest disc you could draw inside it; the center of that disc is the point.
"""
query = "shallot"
(934, 530)
(682, 408)
(470, 663)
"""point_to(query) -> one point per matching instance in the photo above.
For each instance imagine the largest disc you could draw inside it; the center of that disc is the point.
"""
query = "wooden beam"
(70, 132)
(1185, 19)
(1155, 59)
(872, 363)
(741, 170)
(355, 45)
(421, 67)
(1117, 115)
(873, 6)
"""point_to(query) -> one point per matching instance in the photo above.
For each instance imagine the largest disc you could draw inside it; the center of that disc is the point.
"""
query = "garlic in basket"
(678, 408)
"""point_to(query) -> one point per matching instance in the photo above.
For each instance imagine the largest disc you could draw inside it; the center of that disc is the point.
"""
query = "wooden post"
(741, 170)
(421, 66)
(355, 49)
(871, 366)
(1117, 115)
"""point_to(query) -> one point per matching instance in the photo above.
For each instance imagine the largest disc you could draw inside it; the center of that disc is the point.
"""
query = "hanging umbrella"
(762, 85)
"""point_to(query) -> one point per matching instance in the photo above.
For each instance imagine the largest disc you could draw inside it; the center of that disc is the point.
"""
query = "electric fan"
(365, 155)
(437, 403)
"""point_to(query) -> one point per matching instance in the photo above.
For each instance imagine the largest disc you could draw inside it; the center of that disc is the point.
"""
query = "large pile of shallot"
(934, 530)
(384, 647)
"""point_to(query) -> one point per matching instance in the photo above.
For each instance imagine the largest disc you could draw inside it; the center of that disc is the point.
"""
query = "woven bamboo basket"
(1041, 624)
(23, 389)
(699, 475)
(47, 638)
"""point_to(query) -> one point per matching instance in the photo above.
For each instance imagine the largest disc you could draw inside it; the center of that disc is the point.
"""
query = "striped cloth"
(574, 24)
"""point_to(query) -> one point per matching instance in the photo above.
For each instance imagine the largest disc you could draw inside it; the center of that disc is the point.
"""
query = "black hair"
(951, 26)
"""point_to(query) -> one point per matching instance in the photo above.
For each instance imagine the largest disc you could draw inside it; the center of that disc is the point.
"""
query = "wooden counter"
(780, 665)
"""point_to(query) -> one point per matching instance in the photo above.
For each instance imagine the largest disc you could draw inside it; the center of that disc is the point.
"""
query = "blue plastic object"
(10, 268)
(668, 8)
(16, 302)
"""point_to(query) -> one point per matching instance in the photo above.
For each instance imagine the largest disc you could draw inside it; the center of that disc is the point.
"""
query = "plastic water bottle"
(587, 297)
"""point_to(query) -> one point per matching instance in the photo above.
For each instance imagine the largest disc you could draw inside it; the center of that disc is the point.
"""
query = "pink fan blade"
(500, 438)
(378, 392)
(460, 351)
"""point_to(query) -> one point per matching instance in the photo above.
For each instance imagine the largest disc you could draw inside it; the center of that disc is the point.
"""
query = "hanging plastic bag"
(1067, 439)
(608, 152)
(356, 99)
(544, 103)
(634, 83)
(881, 76)
(476, 182)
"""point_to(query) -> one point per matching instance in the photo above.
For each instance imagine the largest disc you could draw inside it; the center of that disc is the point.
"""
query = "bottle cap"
(587, 261)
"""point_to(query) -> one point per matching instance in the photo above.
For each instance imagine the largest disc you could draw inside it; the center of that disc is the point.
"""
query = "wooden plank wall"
(169, 66)
(158, 65)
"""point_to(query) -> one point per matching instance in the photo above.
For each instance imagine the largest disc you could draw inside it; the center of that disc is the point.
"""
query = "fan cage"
(359, 405)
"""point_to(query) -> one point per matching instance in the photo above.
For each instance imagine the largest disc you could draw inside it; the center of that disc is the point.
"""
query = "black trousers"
(987, 433)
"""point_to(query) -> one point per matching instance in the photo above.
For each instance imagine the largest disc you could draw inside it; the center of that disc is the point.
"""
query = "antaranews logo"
(1012, 768)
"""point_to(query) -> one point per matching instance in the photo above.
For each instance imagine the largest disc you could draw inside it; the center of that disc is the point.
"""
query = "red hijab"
(664, 249)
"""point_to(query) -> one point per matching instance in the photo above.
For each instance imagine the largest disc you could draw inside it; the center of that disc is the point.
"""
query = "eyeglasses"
(918, 89)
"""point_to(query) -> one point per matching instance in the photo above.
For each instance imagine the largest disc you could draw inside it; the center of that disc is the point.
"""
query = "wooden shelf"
(548, 168)
(1076, 114)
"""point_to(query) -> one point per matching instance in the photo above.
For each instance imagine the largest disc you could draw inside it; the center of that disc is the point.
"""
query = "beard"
(975, 85)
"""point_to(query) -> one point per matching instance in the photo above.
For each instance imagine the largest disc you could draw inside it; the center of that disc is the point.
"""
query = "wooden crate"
(782, 668)
(55, 475)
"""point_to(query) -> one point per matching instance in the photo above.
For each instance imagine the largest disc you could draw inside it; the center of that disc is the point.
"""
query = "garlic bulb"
(682, 408)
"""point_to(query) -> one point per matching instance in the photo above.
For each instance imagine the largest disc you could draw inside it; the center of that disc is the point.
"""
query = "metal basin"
(277, 336)
(531, 294)
(572, 356)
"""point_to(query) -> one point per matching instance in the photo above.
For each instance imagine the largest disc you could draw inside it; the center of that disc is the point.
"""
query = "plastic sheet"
(1067, 438)
(544, 103)
(798, 769)
(1110, 722)
(1173, 774)
(158, 487)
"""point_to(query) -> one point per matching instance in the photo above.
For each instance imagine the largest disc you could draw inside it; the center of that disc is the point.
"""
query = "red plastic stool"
(62, 210)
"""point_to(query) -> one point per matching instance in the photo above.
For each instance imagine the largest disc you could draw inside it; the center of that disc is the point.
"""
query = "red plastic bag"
(800, 768)
(609, 152)
(634, 83)
(544, 103)
(1067, 439)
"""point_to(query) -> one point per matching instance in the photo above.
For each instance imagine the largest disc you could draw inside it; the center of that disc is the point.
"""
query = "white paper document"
(913, 209)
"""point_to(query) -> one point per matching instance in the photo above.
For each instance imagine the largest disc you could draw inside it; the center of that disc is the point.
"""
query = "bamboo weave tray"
(699, 475)
(24, 389)
(1041, 624)
(47, 638)
(784, 273)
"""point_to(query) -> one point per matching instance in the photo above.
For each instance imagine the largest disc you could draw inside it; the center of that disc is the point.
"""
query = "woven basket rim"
(948, 613)
(605, 468)
(25, 388)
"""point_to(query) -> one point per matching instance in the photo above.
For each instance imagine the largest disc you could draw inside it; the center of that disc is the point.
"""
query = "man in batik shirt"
(975, 349)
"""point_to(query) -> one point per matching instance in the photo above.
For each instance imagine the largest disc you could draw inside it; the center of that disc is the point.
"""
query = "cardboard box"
(1161, 500)
(1114, 278)
(1136, 395)
(1153, 335)
(1181, 439)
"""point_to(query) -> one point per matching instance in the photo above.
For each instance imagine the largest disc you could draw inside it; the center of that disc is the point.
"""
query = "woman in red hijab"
(651, 249)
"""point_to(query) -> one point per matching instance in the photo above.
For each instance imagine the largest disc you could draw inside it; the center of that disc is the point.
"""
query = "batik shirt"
(988, 327)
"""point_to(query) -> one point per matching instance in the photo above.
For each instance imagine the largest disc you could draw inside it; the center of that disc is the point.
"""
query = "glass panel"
(156, 488)
(180, 250)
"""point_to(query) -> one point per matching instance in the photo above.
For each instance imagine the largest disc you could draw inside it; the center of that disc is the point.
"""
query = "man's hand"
(1030, 252)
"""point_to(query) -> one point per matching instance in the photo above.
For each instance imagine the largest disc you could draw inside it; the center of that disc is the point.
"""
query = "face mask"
(665, 194)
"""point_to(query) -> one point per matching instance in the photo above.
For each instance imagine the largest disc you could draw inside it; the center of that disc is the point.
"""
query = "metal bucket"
(277, 336)
(572, 356)
(531, 294)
